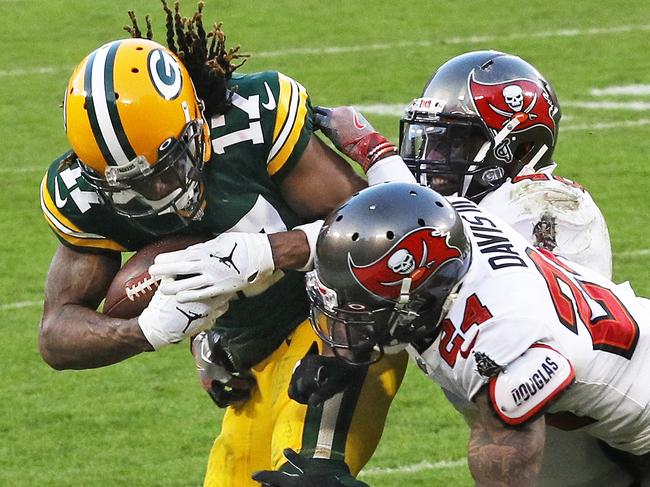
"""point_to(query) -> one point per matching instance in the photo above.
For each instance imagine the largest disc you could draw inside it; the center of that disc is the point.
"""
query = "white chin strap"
(480, 155)
(530, 167)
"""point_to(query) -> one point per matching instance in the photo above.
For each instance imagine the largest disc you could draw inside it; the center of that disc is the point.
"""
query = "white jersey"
(529, 325)
(556, 213)
(540, 206)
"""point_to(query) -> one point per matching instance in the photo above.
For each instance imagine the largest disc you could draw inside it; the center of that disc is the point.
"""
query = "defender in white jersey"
(530, 338)
(485, 127)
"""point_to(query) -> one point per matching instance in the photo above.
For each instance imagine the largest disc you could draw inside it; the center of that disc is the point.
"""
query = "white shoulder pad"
(527, 385)
(540, 204)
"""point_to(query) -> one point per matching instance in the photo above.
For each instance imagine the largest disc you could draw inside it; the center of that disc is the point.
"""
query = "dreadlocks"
(205, 56)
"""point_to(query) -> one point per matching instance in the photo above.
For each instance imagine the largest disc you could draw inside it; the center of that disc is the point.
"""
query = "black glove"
(300, 471)
(316, 378)
(217, 376)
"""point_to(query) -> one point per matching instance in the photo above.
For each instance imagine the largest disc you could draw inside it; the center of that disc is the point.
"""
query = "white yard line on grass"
(32, 71)
(459, 40)
(637, 106)
(319, 51)
(606, 125)
(412, 468)
(633, 253)
(629, 90)
(20, 304)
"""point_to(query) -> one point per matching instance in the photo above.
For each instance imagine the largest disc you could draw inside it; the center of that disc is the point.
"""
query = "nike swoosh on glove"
(353, 135)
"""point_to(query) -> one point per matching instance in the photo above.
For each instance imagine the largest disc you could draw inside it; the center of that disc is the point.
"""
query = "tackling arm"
(72, 334)
(319, 182)
(504, 456)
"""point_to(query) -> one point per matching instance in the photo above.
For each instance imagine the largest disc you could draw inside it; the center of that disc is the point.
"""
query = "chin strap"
(530, 167)
(498, 139)
(311, 231)
(404, 291)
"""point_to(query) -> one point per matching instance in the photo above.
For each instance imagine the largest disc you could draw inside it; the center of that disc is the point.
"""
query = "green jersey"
(254, 144)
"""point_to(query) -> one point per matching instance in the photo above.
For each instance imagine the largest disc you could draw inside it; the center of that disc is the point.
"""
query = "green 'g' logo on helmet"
(165, 73)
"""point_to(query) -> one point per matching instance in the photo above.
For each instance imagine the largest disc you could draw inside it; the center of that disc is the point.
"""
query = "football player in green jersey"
(168, 140)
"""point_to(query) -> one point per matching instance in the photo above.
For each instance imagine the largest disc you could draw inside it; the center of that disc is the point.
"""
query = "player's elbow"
(47, 346)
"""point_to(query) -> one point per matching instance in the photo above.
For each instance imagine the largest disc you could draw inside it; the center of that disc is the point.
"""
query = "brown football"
(132, 287)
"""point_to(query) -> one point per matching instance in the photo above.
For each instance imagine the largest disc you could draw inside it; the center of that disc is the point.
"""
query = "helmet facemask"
(357, 333)
(486, 96)
(450, 154)
(360, 334)
(172, 189)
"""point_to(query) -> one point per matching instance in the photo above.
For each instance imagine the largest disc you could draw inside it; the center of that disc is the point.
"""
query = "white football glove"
(224, 265)
(166, 320)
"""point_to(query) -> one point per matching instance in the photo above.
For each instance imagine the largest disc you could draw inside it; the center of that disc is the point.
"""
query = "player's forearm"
(503, 465)
(75, 337)
(501, 456)
(290, 249)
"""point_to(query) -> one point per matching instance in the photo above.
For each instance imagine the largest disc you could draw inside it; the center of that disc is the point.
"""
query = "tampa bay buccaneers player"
(485, 127)
(169, 140)
(528, 338)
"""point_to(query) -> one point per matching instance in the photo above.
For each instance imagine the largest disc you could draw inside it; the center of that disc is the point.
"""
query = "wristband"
(373, 148)
(311, 230)
(389, 170)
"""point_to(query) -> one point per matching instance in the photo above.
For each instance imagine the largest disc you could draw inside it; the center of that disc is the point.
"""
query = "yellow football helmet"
(134, 121)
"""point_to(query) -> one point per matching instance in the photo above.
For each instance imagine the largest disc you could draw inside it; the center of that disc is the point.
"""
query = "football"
(132, 287)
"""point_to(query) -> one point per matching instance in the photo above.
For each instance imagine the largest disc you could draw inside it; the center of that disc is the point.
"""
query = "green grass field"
(146, 421)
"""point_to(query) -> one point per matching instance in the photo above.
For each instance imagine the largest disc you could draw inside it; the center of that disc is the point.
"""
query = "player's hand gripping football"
(166, 320)
(217, 376)
(353, 135)
(224, 265)
(300, 471)
(317, 378)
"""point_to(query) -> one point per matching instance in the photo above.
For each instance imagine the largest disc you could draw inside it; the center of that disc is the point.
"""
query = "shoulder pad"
(528, 384)
(292, 128)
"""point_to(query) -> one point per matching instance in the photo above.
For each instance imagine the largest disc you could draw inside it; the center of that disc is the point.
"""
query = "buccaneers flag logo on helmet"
(417, 256)
(498, 103)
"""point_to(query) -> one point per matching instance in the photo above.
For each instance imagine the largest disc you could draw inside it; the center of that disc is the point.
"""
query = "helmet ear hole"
(421, 222)
(390, 235)
(355, 236)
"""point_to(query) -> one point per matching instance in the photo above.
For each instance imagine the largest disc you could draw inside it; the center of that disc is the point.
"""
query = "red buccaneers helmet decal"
(417, 255)
(498, 103)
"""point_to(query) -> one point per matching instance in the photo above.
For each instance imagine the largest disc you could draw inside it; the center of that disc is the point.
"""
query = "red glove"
(353, 135)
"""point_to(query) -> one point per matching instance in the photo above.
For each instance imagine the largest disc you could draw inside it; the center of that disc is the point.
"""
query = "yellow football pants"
(348, 426)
